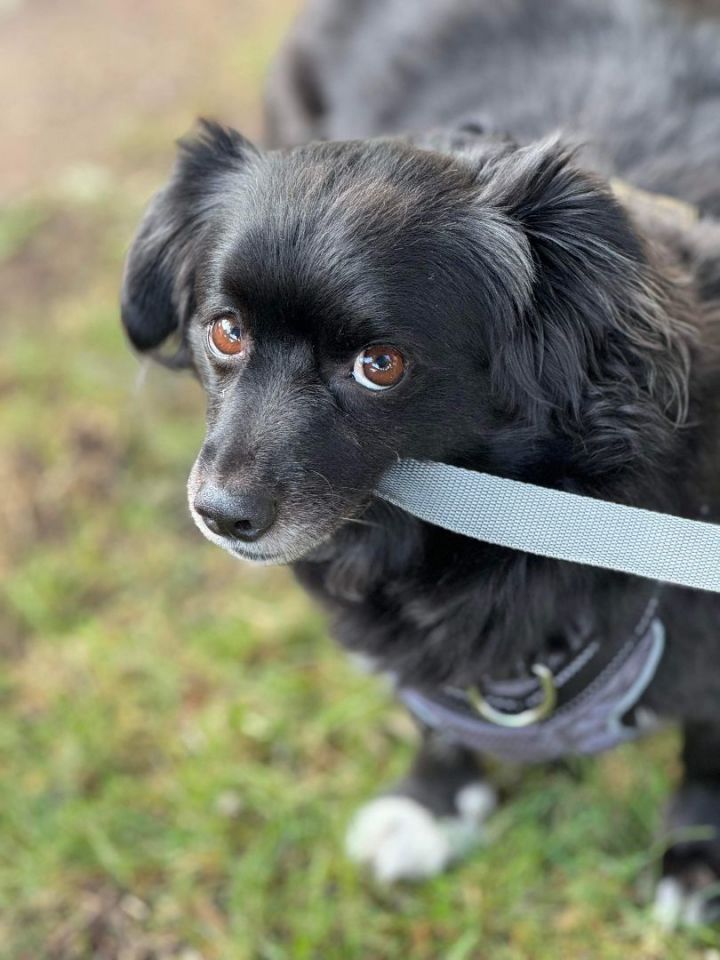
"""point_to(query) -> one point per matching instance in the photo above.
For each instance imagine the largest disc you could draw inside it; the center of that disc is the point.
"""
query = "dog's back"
(638, 81)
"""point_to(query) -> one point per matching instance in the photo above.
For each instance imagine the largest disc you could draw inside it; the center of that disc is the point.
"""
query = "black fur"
(552, 333)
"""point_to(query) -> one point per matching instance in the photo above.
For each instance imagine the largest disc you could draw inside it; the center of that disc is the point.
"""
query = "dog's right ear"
(158, 291)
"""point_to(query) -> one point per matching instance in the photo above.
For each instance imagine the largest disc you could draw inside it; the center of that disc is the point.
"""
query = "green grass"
(181, 745)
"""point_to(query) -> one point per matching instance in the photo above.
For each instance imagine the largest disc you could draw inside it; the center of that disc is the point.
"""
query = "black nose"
(237, 516)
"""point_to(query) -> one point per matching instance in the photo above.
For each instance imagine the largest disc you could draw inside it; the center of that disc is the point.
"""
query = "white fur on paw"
(675, 906)
(475, 802)
(399, 839)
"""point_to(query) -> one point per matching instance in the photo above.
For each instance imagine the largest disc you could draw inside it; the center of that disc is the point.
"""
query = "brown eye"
(227, 337)
(379, 367)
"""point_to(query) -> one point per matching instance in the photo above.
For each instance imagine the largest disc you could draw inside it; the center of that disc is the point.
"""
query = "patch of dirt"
(39, 498)
(107, 924)
(59, 255)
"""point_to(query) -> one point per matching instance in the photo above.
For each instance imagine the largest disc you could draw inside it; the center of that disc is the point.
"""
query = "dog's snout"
(244, 516)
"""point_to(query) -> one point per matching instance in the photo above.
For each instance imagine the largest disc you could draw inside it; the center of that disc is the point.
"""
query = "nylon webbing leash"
(552, 523)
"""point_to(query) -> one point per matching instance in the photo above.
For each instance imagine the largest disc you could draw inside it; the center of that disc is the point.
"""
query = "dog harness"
(582, 706)
(585, 705)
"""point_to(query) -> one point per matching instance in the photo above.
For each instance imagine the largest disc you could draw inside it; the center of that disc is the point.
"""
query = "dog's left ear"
(158, 291)
(598, 314)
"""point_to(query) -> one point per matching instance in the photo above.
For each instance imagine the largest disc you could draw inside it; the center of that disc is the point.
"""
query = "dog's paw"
(688, 900)
(689, 892)
(400, 839)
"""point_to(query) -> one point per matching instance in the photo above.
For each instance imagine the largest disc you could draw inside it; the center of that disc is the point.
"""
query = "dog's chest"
(439, 629)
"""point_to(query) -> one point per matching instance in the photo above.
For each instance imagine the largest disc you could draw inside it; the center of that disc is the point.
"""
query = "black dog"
(464, 293)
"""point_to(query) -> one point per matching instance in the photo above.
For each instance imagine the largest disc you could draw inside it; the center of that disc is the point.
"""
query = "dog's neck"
(432, 607)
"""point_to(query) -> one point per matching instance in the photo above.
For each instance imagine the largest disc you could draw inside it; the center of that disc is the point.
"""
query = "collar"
(593, 694)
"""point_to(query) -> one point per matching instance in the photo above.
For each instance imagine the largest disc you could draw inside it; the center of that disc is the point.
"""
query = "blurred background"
(181, 746)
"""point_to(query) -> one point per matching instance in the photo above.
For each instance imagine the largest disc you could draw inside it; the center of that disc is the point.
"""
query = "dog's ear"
(597, 311)
(158, 291)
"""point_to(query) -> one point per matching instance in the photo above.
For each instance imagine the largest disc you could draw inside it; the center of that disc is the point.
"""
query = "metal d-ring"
(526, 717)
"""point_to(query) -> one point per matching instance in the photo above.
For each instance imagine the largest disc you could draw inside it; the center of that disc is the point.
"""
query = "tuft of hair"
(601, 308)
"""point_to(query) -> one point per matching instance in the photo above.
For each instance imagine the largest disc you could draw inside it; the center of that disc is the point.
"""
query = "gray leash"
(552, 523)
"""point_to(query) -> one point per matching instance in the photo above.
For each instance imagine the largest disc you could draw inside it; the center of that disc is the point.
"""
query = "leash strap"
(553, 523)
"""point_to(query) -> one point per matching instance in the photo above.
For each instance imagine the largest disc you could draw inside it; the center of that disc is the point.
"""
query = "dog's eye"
(227, 337)
(379, 367)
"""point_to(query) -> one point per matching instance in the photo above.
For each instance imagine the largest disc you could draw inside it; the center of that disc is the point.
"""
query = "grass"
(182, 745)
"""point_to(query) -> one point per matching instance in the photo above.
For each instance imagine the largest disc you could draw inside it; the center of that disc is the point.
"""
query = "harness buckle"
(526, 717)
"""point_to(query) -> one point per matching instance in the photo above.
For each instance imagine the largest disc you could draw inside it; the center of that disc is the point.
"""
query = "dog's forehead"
(339, 221)
(371, 191)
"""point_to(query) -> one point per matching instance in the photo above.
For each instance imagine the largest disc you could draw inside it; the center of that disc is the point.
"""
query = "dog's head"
(346, 304)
